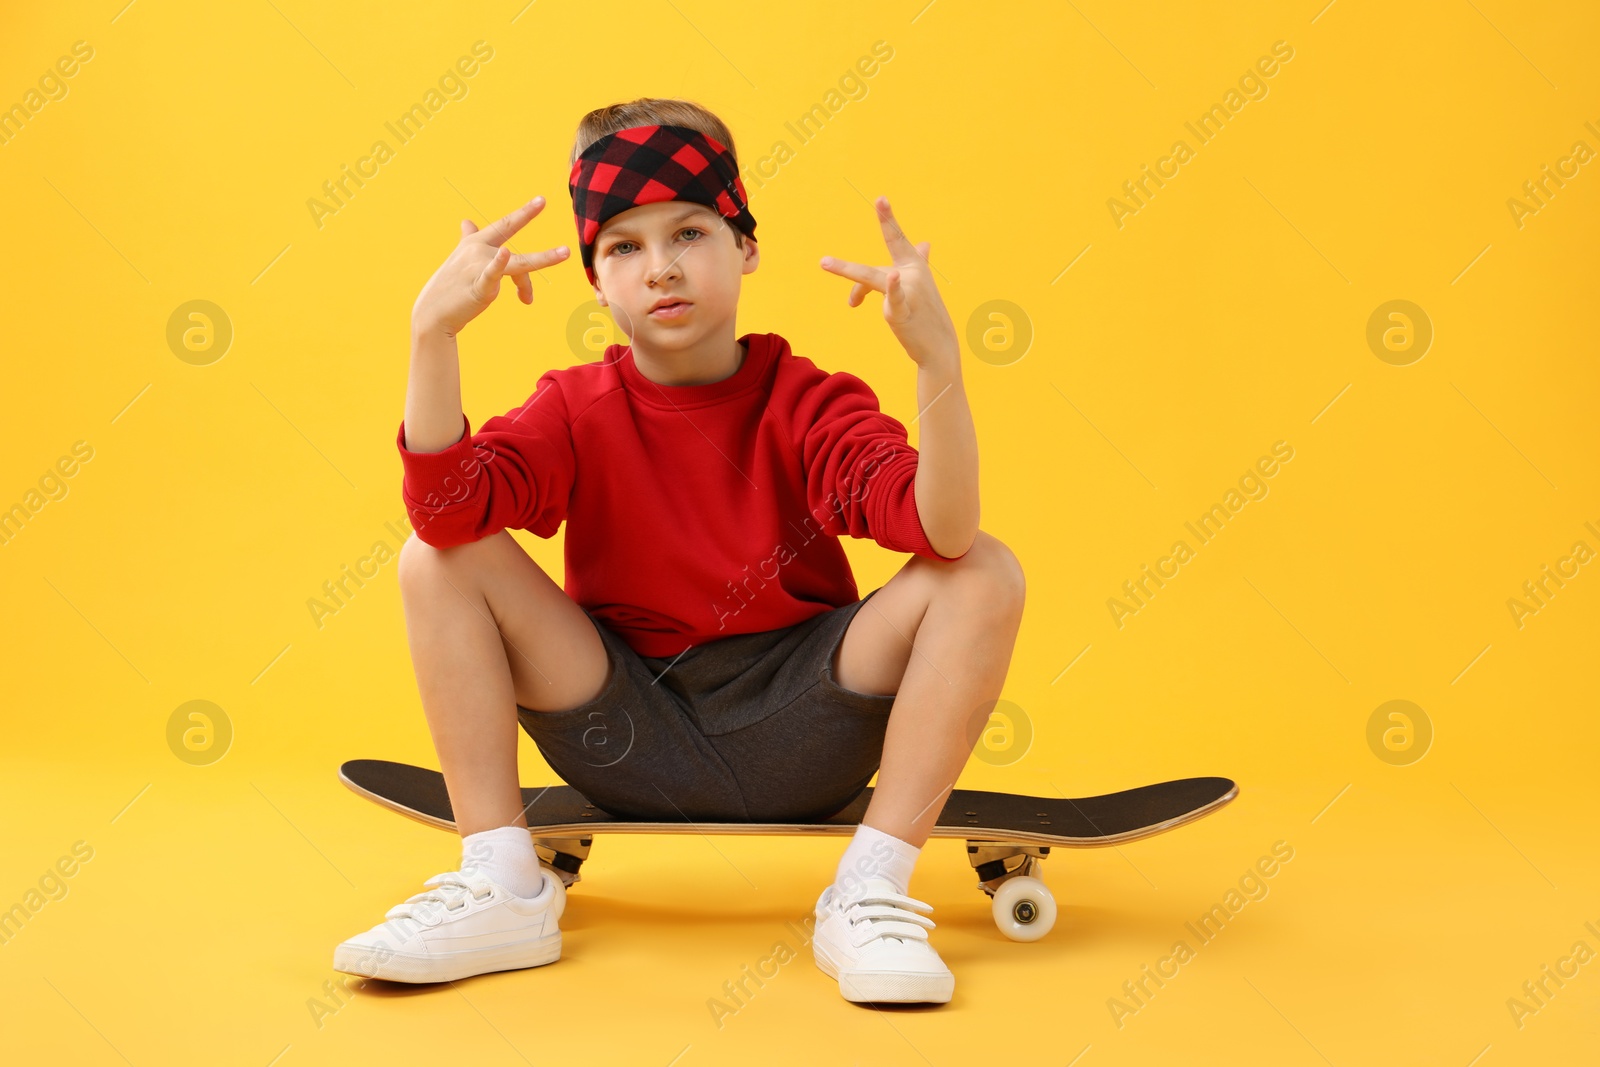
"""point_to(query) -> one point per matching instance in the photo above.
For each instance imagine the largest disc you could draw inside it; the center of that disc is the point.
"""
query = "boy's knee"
(417, 560)
(420, 561)
(997, 570)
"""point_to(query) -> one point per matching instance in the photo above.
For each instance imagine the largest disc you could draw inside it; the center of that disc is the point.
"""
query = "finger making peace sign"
(469, 279)
(911, 305)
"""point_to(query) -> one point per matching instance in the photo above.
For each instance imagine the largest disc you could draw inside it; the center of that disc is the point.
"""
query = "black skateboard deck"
(1079, 822)
(1008, 835)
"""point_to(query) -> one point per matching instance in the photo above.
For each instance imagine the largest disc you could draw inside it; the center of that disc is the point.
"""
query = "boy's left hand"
(911, 304)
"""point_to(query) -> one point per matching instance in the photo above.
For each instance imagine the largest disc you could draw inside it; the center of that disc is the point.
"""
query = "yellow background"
(1228, 314)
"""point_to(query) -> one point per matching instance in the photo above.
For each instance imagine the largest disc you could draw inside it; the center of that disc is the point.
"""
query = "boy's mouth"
(670, 309)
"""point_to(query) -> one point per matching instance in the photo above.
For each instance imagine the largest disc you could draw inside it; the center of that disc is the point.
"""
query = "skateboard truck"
(1024, 908)
(563, 855)
(995, 862)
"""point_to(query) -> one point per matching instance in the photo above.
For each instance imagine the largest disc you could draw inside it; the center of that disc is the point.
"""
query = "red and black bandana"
(649, 164)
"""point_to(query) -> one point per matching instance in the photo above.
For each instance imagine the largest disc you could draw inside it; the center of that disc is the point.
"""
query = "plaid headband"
(649, 164)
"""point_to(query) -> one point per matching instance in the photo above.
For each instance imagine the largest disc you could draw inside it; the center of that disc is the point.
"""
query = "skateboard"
(1008, 835)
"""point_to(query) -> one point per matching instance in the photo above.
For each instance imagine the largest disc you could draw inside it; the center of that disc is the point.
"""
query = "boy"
(708, 658)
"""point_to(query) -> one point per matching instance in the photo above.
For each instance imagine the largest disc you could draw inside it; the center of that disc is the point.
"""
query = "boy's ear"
(752, 255)
(601, 297)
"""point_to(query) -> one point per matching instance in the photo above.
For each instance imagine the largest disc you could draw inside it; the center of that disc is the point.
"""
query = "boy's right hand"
(469, 280)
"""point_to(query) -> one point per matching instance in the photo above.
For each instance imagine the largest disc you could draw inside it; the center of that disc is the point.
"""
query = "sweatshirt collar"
(759, 348)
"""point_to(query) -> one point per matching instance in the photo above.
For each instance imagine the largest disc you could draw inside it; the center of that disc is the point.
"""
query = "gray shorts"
(747, 728)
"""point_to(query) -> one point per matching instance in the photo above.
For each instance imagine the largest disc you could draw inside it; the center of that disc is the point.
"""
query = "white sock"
(873, 852)
(504, 855)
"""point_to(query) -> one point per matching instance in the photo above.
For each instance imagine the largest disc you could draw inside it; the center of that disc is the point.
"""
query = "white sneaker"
(877, 947)
(464, 925)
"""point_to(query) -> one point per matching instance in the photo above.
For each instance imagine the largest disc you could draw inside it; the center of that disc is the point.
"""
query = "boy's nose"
(664, 268)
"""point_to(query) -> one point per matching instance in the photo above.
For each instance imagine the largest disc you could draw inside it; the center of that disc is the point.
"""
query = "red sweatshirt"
(693, 512)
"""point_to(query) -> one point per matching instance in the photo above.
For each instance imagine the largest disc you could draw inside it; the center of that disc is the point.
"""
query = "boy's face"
(688, 252)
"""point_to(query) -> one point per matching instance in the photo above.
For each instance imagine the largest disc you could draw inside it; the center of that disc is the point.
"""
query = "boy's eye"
(620, 245)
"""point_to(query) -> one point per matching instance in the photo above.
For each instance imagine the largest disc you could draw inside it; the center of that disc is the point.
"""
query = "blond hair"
(653, 111)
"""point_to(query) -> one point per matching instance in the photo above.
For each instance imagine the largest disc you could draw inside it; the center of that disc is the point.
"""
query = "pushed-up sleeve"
(516, 472)
(860, 468)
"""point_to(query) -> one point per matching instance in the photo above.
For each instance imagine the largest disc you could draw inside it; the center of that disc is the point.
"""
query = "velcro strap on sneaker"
(861, 933)
(879, 912)
(896, 899)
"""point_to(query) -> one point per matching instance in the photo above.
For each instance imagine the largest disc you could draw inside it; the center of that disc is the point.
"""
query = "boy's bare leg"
(489, 630)
(939, 635)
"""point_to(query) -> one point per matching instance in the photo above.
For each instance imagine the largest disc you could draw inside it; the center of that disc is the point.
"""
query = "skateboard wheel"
(1023, 908)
